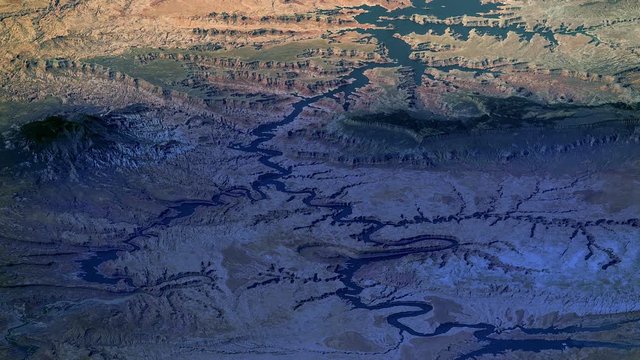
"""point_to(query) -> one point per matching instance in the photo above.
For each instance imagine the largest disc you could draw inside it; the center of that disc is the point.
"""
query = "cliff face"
(502, 42)
(258, 7)
(82, 28)
(249, 179)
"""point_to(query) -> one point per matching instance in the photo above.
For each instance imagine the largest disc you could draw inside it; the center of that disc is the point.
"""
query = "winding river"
(351, 291)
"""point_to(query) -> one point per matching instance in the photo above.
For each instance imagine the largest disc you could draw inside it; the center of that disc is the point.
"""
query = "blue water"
(380, 250)
(397, 22)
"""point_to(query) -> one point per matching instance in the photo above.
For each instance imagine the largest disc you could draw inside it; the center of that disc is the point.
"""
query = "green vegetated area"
(287, 52)
(56, 128)
(161, 72)
(501, 115)
(416, 124)
(59, 137)
(16, 113)
(49, 129)
(166, 73)
(172, 74)
(292, 51)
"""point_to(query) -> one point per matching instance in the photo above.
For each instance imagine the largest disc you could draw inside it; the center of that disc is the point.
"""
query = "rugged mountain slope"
(319, 179)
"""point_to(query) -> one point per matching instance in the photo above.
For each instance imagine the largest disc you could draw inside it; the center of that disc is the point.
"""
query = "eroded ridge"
(370, 179)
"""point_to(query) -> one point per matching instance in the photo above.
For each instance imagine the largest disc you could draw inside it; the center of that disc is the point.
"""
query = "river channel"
(388, 24)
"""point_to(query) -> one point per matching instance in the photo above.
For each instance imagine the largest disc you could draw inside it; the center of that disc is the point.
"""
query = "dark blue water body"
(392, 250)
(177, 210)
(352, 290)
(398, 22)
(496, 347)
(451, 8)
(90, 270)
(375, 250)
(388, 250)
(185, 208)
(438, 8)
